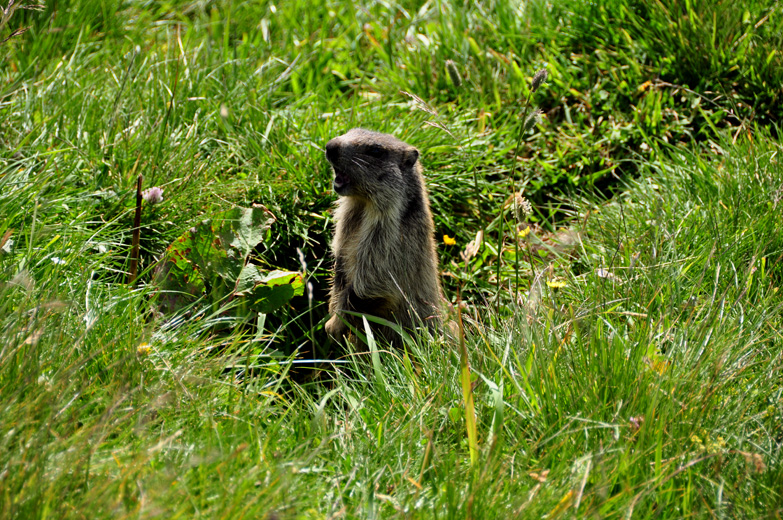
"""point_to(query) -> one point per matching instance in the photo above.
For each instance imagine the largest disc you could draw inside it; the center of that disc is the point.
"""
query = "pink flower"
(152, 195)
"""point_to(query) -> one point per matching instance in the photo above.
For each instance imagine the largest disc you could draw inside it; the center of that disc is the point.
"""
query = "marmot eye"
(376, 151)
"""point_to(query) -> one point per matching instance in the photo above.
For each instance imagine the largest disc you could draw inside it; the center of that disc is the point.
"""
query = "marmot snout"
(385, 262)
(369, 164)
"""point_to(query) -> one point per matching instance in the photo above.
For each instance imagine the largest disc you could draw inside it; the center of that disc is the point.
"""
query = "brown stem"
(136, 233)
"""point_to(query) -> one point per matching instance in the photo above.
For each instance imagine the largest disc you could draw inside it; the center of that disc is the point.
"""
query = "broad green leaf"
(274, 290)
(212, 259)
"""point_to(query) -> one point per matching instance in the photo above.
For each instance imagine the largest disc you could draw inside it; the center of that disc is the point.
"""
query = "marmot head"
(372, 166)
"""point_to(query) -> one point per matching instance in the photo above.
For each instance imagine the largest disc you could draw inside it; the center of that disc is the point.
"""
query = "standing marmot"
(385, 263)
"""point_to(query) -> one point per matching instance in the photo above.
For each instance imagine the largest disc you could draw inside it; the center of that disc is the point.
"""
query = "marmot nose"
(332, 151)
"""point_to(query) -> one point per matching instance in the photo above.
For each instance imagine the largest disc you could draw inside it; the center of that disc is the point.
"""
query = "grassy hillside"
(627, 367)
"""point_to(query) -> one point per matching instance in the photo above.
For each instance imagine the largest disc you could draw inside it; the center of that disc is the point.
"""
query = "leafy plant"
(212, 261)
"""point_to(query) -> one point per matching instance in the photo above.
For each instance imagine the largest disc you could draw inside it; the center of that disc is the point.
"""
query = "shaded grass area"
(637, 375)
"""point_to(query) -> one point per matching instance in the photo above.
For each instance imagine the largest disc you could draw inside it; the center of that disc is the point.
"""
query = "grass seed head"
(532, 119)
(538, 79)
(522, 207)
(454, 74)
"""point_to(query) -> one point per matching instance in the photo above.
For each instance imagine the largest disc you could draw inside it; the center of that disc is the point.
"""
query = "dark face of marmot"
(371, 165)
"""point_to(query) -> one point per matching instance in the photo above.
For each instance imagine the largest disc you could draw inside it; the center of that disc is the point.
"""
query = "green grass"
(636, 373)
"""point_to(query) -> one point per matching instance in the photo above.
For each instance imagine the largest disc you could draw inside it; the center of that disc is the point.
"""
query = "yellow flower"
(556, 284)
(716, 446)
(143, 349)
(448, 240)
(525, 232)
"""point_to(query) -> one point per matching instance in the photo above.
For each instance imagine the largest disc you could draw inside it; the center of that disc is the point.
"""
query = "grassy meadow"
(621, 353)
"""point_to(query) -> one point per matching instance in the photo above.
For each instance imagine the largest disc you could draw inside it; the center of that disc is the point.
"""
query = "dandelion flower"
(448, 240)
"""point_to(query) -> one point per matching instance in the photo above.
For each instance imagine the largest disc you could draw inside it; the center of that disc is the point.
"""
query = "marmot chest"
(367, 241)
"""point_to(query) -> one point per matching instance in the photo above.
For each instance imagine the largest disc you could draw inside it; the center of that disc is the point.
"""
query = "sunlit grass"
(627, 367)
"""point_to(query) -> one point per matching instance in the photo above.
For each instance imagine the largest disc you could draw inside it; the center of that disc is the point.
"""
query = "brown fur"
(383, 246)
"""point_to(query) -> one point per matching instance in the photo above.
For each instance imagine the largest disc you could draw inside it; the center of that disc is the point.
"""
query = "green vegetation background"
(634, 373)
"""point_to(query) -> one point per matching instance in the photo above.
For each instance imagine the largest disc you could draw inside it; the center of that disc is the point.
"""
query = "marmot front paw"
(336, 328)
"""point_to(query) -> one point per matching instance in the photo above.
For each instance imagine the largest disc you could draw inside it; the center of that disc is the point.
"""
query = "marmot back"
(385, 262)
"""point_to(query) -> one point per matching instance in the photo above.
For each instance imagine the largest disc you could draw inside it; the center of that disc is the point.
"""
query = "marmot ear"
(410, 157)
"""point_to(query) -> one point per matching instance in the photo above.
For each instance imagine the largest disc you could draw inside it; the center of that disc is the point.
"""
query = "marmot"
(385, 262)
